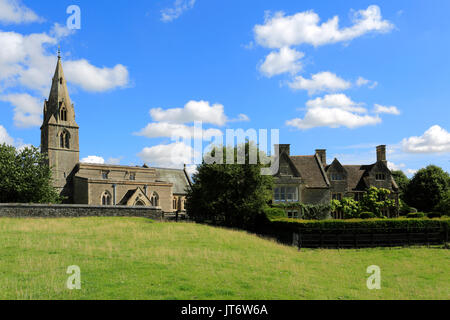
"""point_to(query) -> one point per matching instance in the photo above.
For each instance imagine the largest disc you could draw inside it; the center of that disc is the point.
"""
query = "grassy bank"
(132, 258)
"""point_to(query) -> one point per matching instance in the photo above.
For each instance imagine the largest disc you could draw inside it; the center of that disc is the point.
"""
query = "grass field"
(132, 258)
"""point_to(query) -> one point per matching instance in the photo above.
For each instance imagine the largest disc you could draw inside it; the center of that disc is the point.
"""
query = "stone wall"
(61, 211)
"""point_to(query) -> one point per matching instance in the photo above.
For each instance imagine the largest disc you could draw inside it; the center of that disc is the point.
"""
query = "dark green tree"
(230, 194)
(402, 181)
(427, 188)
(25, 176)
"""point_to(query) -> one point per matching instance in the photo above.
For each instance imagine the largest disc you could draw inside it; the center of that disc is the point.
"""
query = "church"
(95, 184)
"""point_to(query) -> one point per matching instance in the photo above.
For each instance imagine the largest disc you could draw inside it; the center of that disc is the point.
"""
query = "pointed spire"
(59, 52)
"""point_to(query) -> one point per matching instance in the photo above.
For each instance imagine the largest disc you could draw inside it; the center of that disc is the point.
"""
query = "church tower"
(59, 134)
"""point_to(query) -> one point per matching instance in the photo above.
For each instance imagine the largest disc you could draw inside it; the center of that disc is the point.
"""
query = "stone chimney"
(322, 153)
(286, 148)
(381, 154)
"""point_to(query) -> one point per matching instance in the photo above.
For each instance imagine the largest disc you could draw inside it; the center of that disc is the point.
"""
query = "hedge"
(358, 225)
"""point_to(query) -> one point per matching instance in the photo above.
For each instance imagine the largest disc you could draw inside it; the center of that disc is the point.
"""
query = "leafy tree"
(427, 188)
(402, 181)
(376, 200)
(234, 195)
(25, 176)
(443, 206)
(348, 206)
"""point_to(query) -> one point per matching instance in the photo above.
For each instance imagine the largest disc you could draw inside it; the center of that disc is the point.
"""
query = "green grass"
(132, 258)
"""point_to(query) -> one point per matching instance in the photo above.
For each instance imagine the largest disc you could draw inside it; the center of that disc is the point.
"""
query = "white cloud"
(5, 137)
(27, 109)
(94, 79)
(320, 82)
(411, 172)
(61, 31)
(192, 111)
(395, 167)
(173, 155)
(434, 140)
(389, 110)
(340, 101)
(93, 160)
(335, 110)
(241, 118)
(13, 11)
(364, 82)
(165, 129)
(282, 61)
(179, 7)
(280, 30)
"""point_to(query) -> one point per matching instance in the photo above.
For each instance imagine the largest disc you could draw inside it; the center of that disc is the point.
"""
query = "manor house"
(95, 184)
(312, 180)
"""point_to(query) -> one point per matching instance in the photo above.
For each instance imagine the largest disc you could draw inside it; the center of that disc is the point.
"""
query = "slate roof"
(175, 176)
(310, 170)
(356, 176)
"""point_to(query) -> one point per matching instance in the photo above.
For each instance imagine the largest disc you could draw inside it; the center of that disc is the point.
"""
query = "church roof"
(177, 177)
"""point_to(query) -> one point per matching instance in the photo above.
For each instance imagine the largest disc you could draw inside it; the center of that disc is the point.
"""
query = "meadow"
(135, 258)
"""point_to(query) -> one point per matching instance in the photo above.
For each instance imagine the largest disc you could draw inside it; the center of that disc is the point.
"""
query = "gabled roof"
(311, 171)
(131, 196)
(356, 176)
(177, 177)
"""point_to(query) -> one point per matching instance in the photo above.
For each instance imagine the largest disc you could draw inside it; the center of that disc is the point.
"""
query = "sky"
(344, 76)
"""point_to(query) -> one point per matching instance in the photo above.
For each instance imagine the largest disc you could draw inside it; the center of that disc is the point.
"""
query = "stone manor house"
(95, 184)
(312, 180)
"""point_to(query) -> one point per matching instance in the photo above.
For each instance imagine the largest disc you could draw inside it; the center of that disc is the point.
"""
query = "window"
(106, 199)
(63, 114)
(292, 214)
(105, 175)
(359, 196)
(175, 203)
(64, 140)
(337, 177)
(155, 199)
(287, 194)
(336, 196)
(132, 176)
(380, 177)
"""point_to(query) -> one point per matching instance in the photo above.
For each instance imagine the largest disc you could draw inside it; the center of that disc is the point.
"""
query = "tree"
(376, 200)
(402, 181)
(427, 188)
(25, 176)
(234, 195)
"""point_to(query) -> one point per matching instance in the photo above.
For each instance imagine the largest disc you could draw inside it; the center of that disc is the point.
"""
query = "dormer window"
(105, 175)
(132, 176)
(63, 114)
(380, 177)
(60, 81)
(337, 177)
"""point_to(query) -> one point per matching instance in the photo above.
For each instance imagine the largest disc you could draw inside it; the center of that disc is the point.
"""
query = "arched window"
(64, 140)
(139, 203)
(155, 199)
(175, 203)
(63, 114)
(106, 199)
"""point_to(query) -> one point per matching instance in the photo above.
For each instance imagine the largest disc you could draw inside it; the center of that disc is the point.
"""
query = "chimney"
(381, 154)
(322, 153)
(286, 148)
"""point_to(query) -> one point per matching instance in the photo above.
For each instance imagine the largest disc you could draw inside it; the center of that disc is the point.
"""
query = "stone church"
(312, 180)
(95, 184)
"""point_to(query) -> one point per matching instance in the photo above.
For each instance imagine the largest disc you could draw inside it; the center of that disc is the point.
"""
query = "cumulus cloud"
(336, 110)
(280, 30)
(173, 155)
(165, 129)
(282, 61)
(395, 167)
(434, 140)
(94, 79)
(14, 12)
(364, 82)
(27, 109)
(179, 7)
(320, 82)
(389, 110)
(5, 137)
(93, 160)
(192, 111)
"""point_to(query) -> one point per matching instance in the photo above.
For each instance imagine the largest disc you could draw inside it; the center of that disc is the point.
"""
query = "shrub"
(367, 215)
(416, 215)
(274, 213)
(432, 215)
(308, 211)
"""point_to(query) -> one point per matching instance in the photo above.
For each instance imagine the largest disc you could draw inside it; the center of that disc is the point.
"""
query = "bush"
(367, 215)
(274, 213)
(416, 215)
(308, 211)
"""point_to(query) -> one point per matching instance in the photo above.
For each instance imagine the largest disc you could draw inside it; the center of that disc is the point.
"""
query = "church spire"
(59, 106)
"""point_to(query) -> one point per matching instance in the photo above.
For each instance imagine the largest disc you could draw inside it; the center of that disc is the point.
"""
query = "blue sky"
(381, 75)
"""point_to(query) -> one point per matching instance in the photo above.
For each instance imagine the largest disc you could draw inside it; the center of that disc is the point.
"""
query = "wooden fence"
(364, 238)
